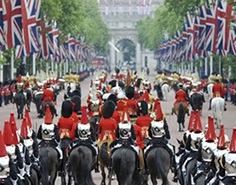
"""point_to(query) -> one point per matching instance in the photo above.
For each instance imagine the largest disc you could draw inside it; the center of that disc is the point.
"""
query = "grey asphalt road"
(228, 118)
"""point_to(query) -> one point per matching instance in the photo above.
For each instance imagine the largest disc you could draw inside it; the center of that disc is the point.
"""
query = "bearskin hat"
(66, 108)
(142, 108)
(113, 98)
(129, 92)
(108, 109)
(117, 70)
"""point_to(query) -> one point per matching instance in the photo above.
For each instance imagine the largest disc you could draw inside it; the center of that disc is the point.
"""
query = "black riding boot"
(174, 170)
(146, 167)
(138, 163)
(209, 105)
(172, 111)
(96, 169)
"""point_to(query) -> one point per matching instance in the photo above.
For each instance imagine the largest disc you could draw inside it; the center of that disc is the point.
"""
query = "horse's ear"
(178, 141)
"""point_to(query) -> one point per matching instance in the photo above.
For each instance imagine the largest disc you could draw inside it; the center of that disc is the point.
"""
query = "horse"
(51, 106)
(38, 98)
(180, 109)
(49, 161)
(159, 163)
(209, 90)
(165, 89)
(20, 102)
(81, 163)
(124, 166)
(104, 158)
(29, 95)
(196, 101)
(217, 106)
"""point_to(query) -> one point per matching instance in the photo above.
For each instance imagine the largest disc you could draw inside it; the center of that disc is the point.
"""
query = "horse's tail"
(180, 113)
(160, 168)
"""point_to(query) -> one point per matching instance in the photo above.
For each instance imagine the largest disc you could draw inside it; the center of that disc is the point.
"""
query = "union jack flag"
(211, 27)
(12, 22)
(2, 34)
(31, 44)
(231, 48)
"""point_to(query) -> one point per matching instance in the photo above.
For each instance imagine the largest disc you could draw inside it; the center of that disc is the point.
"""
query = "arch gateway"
(121, 17)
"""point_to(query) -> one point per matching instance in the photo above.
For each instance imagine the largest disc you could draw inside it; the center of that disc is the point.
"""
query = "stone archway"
(119, 38)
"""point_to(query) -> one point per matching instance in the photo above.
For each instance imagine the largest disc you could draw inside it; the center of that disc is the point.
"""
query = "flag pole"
(34, 63)
(1, 68)
(12, 64)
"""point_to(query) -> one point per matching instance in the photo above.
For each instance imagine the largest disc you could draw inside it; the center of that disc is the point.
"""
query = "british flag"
(54, 34)
(78, 48)
(2, 34)
(30, 36)
(202, 28)
(211, 27)
(12, 22)
(63, 53)
(231, 48)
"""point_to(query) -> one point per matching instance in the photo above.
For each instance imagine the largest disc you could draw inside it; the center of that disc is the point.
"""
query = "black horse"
(20, 101)
(49, 161)
(196, 101)
(38, 98)
(81, 163)
(159, 163)
(124, 165)
(29, 96)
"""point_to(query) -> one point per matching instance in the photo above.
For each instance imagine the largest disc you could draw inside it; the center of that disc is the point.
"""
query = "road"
(228, 118)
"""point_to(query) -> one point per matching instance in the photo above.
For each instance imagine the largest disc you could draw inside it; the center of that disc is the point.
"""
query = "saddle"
(83, 143)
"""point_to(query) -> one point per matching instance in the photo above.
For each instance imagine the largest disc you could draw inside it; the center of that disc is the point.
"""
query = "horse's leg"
(153, 179)
(103, 173)
(180, 127)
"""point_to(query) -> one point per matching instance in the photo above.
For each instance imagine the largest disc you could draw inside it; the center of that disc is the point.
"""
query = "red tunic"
(144, 122)
(65, 126)
(132, 106)
(139, 136)
(218, 89)
(121, 104)
(48, 95)
(107, 129)
(180, 96)
(116, 117)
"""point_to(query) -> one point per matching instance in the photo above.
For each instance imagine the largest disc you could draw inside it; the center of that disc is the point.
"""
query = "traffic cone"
(48, 116)
(7, 134)
(232, 146)
(198, 123)
(191, 122)
(221, 139)
(13, 126)
(12, 121)
(210, 133)
(27, 116)
(3, 151)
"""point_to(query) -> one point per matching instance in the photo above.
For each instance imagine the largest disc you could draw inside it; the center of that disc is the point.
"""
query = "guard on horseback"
(48, 133)
(85, 135)
(227, 172)
(218, 90)
(180, 96)
(48, 96)
(8, 171)
(159, 135)
(125, 135)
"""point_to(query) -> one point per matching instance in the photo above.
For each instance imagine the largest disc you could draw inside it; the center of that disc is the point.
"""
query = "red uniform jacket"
(48, 95)
(132, 106)
(116, 117)
(218, 89)
(144, 122)
(139, 136)
(65, 126)
(180, 96)
(6, 90)
(121, 104)
(107, 129)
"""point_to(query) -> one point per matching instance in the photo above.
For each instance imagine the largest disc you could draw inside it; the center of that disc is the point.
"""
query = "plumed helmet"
(129, 92)
(108, 109)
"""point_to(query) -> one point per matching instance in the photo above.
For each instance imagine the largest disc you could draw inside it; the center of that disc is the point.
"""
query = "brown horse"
(180, 109)
(104, 158)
